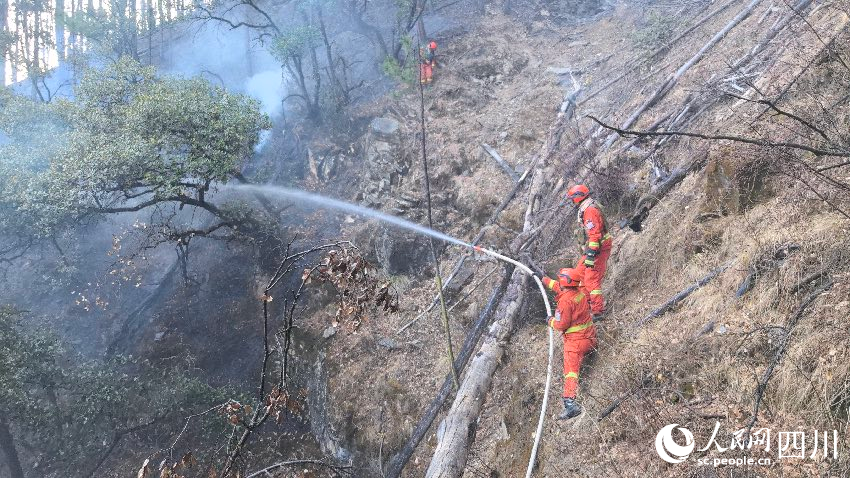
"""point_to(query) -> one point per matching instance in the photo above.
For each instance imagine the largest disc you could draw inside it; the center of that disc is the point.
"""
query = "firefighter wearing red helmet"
(428, 61)
(572, 318)
(596, 245)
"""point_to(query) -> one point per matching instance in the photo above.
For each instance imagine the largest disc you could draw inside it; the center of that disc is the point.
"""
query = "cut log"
(505, 166)
(667, 306)
(397, 463)
(453, 444)
(671, 81)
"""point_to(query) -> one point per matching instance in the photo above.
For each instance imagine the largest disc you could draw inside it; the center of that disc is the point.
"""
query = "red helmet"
(432, 45)
(578, 193)
(569, 277)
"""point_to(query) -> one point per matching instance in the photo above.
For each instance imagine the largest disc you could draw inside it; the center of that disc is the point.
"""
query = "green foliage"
(129, 136)
(657, 30)
(293, 42)
(405, 71)
(399, 72)
(111, 32)
(72, 413)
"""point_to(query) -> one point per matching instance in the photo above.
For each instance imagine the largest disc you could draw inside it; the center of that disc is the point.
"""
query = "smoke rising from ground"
(228, 57)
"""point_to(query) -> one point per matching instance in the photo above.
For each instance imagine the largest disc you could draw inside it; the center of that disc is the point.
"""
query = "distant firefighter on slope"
(428, 61)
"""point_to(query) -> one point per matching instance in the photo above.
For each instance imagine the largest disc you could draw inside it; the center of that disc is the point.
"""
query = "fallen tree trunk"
(682, 295)
(666, 47)
(771, 34)
(401, 458)
(458, 426)
(453, 443)
(671, 81)
(498, 158)
(763, 265)
(654, 196)
(493, 217)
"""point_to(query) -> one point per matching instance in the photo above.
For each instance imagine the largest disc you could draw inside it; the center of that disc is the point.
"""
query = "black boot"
(571, 409)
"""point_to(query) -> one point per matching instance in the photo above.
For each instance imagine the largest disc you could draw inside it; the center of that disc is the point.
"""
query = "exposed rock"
(400, 252)
(461, 280)
(328, 166)
(329, 332)
(322, 167)
(722, 194)
(386, 127)
(503, 431)
(388, 343)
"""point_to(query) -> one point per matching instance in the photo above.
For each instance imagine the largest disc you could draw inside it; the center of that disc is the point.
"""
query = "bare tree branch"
(739, 139)
(781, 112)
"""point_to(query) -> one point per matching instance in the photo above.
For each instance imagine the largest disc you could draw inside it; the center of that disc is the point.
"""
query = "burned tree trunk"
(7, 444)
(453, 443)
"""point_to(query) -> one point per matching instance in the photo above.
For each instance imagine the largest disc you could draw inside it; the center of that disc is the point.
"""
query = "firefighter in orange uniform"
(427, 63)
(597, 246)
(573, 320)
(431, 54)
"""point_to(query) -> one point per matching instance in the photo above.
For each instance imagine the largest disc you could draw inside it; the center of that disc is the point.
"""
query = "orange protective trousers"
(592, 276)
(576, 346)
(425, 72)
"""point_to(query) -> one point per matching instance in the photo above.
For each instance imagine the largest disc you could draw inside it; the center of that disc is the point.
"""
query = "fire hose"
(540, 420)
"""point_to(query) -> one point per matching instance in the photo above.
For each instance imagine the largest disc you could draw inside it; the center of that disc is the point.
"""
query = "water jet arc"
(326, 202)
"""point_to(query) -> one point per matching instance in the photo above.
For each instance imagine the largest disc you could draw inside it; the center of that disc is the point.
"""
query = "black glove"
(590, 253)
(538, 271)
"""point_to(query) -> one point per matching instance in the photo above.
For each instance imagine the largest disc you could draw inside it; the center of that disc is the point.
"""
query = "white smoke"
(267, 88)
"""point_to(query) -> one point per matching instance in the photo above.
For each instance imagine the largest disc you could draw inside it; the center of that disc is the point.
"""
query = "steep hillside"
(740, 210)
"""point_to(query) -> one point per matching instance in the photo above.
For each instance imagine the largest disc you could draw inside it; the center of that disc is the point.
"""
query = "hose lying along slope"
(540, 420)
(449, 457)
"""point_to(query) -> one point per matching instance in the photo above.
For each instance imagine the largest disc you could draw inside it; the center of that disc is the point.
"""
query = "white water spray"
(322, 201)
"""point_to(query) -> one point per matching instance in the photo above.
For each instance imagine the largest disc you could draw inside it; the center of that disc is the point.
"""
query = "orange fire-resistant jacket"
(572, 312)
(593, 223)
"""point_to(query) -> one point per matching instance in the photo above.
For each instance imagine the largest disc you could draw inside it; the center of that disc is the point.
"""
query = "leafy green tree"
(129, 141)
